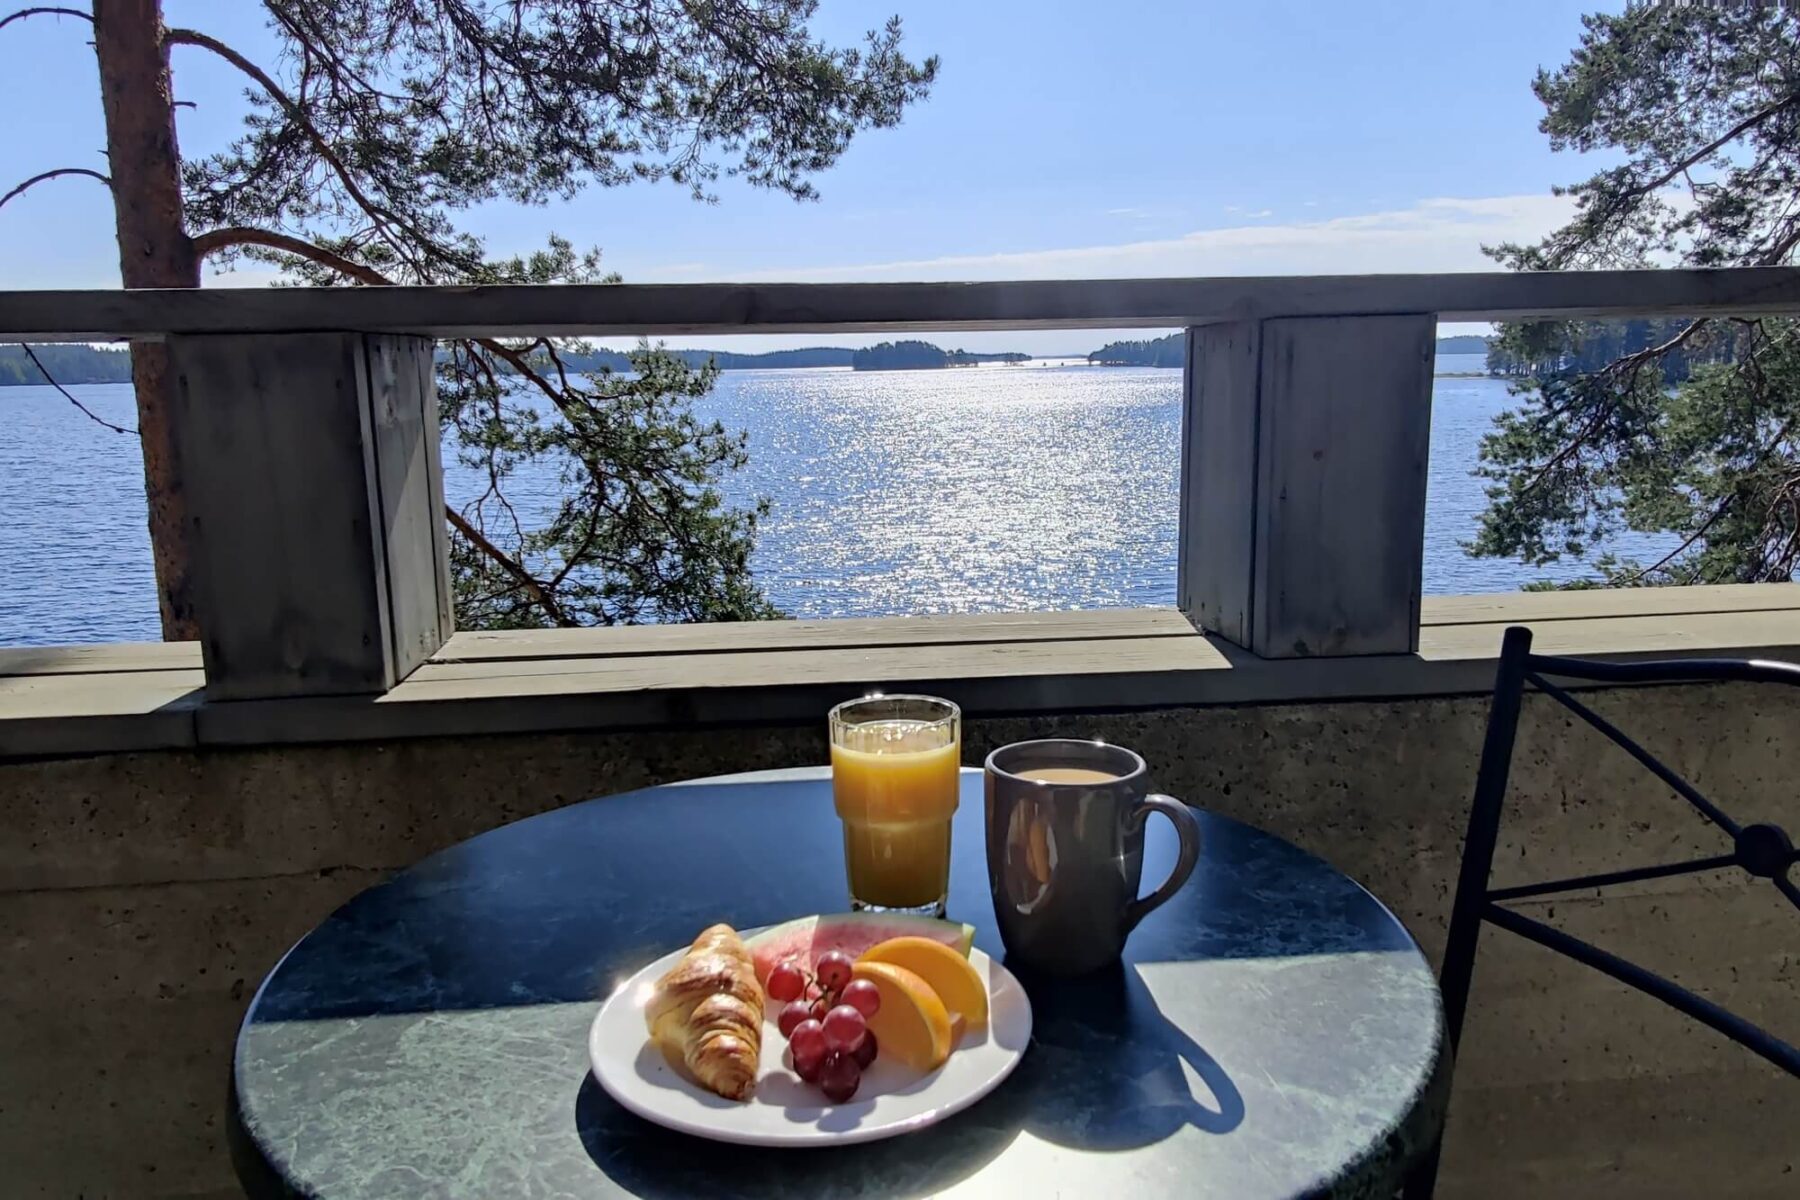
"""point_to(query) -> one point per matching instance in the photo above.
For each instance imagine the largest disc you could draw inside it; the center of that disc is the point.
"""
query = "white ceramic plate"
(785, 1111)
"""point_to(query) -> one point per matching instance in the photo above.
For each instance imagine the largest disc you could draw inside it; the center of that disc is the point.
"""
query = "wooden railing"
(306, 423)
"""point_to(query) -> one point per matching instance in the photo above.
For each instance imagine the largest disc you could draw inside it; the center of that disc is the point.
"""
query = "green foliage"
(974, 358)
(899, 356)
(384, 118)
(916, 356)
(1679, 426)
(1547, 349)
(1170, 351)
(639, 531)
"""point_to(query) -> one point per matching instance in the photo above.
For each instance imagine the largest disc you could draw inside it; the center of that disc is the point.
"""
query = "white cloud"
(1431, 235)
(1127, 212)
(1260, 213)
(1436, 235)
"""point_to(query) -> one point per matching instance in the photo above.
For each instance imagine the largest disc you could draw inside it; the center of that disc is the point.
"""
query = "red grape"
(864, 1054)
(834, 969)
(786, 982)
(863, 996)
(792, 1013)
(844, 1027)
(839, 1077)
(808, 1068)
(807, 1039)
(819, 1008)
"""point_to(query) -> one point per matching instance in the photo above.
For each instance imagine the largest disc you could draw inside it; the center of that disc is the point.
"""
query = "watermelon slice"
(806, 938)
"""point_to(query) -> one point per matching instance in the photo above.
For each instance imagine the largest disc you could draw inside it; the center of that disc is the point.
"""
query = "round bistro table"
(1273, 1030)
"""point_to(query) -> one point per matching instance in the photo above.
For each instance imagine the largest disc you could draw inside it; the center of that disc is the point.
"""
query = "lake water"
(997, 488)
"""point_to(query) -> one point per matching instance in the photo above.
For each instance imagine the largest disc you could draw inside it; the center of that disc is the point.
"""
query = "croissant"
(707, 1013)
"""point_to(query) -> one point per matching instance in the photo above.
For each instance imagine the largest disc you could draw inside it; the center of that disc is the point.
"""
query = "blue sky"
(1063, 139)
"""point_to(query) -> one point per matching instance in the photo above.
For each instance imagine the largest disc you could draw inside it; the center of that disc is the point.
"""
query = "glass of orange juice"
(894, 764)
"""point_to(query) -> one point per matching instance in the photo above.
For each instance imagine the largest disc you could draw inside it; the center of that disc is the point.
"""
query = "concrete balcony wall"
(144, 895)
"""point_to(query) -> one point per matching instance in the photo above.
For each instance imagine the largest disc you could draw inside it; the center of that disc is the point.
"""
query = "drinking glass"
(894, 764)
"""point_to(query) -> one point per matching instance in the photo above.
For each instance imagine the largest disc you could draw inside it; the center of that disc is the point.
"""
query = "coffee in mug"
(1067, 775)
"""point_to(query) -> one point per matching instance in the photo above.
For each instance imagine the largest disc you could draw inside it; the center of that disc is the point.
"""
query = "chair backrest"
(1762, 850)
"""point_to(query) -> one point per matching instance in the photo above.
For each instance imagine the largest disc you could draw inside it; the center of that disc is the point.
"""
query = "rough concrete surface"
(144, 896)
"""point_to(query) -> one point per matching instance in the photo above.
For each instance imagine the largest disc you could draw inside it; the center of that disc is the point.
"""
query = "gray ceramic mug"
(1065, 850)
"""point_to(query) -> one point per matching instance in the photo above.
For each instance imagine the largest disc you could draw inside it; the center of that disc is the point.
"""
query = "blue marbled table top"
(1273, 1031)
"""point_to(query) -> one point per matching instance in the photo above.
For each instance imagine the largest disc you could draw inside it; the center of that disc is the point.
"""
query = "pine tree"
(377, 122)
(1690, 427)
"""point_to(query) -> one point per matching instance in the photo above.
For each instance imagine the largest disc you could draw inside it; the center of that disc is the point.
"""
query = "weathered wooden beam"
(1303, 503)
(316, 501)
(409, 468)
(1215, 555)
(837, 633)
(744, 308)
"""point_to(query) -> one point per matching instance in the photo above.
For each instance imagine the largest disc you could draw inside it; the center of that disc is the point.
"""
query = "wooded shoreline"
(74, 363)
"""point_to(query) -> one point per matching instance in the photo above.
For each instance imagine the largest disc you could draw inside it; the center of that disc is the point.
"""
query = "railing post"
(1215, 553)
(1303, 482)
(316, 502)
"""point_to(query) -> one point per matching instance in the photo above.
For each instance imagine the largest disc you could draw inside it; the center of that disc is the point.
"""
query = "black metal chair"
(1762, 850)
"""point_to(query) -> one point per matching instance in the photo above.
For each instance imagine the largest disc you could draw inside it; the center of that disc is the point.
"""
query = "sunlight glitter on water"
(893, 492)
(934, 492)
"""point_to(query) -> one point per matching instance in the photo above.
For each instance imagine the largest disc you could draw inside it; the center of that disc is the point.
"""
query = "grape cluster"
(825, 1020)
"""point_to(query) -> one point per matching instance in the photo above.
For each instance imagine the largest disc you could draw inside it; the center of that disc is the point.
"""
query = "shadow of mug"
(1108, 1071)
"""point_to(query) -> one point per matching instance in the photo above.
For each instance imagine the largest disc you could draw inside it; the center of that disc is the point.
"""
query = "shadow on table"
(1105, 1072)
(1108, 1071)
(655, 1163)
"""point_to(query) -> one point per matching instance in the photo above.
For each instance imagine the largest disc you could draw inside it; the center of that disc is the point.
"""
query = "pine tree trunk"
(154, 252)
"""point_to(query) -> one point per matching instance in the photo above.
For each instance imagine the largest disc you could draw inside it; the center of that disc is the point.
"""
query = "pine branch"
(91, 415)
(52, 175)
(231, 236)
(379, 213)
(535, 589)
(216, 240)
(9, 18)
(1628, 365)
(1621, 202)
(523, 366)
(1701, 155)
(243, 235)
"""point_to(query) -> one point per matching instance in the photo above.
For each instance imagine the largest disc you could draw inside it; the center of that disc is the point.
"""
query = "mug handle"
(1187, 829)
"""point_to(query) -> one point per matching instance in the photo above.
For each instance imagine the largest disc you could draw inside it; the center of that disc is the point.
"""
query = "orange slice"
(911, 1027)
(955, 980)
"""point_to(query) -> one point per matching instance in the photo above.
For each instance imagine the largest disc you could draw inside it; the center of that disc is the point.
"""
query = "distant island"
(77, 363)
(70, 364)
(923, 356)
(726, 360)
(1168, 351)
